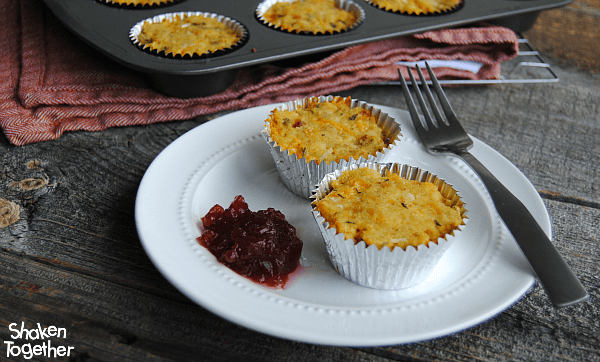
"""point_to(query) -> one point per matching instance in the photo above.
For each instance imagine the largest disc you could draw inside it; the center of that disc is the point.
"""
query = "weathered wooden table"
(73, 259)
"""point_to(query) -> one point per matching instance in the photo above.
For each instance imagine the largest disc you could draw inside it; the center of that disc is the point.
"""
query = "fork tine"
(421, 100)
(432, 104)
(412, 108)
(448, 111)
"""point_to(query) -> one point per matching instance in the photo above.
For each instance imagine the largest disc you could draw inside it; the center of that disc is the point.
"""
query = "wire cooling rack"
(526, 67)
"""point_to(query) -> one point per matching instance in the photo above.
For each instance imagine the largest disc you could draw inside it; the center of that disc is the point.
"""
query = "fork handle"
(560, 283)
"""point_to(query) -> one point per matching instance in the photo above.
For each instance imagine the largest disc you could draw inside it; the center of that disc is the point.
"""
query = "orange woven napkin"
(51, 82)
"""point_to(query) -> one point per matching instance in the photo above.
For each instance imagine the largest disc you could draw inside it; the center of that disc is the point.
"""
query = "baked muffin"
(310, 16)
(188, 34)
(388, 210)
(312, 137)
(417, 7)
(139, 3)
(387, 220)
(328, 131)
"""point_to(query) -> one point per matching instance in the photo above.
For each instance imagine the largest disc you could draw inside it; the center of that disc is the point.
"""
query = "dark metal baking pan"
(107, 29)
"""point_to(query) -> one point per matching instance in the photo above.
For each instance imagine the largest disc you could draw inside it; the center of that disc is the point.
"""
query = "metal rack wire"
(526, 67)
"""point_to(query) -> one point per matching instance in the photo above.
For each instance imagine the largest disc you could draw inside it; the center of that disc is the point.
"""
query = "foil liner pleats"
(384, 268)
(300, 176)
(139, 4)
(402, 7)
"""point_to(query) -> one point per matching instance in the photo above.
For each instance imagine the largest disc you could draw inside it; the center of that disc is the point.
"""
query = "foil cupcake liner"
(385, 268)
(130, 4)
(347, 5)
(435, 13)
(302, 177)
(239, 29)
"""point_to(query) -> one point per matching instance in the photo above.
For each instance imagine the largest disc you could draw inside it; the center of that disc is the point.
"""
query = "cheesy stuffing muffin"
(327, 131)
(417, 7)
(313, 16)
(188, 35)
(140, 2)
(388, 210)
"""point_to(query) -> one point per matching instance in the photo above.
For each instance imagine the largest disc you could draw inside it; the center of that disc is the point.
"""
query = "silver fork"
(561, 285)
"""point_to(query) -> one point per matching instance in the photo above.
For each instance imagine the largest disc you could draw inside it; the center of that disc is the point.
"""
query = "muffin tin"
(107, 29)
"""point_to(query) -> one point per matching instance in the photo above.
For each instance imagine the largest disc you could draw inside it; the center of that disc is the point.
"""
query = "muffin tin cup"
(385, 268)
(239, 29)
(300, 176)
(435, 13)
(347, 5)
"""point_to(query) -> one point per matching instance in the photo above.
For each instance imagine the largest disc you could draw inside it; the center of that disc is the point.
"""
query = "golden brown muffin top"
(388, 210)
(188, 35)
(327, 131)
(313, 16)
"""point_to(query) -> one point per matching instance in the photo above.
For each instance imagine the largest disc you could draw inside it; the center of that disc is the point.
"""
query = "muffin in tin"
(386, 226)
(188, 35)
(311, 137)
(316, 17)
(418, 7)
(139, 3)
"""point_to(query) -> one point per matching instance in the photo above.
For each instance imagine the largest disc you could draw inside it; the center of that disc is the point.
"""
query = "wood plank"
(83, 217)
(105, 321)
(570, 34)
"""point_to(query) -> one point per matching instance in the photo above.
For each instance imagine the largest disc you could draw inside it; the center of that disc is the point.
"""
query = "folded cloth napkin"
(51, 82)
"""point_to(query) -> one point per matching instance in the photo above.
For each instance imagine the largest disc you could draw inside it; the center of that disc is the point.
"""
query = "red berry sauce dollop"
(260, 245)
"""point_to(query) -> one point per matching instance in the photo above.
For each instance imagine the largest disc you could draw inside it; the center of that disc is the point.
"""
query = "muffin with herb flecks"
(188, 34)
(311, 137)
(386, 225)
(310, 16)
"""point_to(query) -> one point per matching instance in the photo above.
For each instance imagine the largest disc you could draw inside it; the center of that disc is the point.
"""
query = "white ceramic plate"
(481, 275)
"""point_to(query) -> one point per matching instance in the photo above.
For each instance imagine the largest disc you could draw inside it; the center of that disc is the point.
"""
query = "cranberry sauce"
(260, 245)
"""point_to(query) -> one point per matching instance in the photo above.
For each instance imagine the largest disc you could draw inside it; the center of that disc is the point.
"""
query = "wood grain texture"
(570, 33)
(73, 258)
